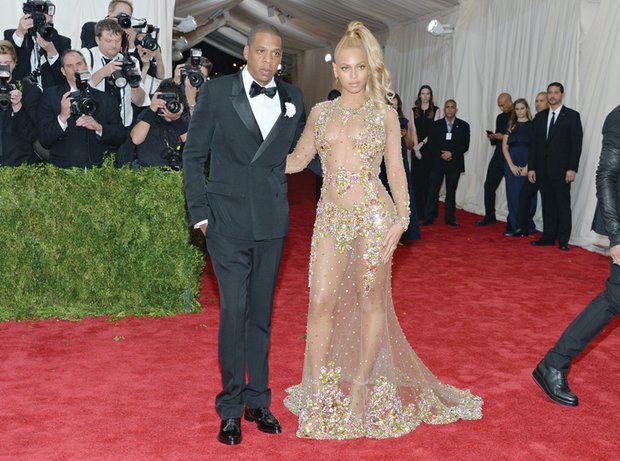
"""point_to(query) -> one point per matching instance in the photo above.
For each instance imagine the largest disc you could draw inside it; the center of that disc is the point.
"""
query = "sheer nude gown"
(361, 377)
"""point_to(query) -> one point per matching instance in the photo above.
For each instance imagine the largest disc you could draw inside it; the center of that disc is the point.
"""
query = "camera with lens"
(192, 71)
(172, 102)
(124, 20)
(149, 41)
(82, 102)
(37, 9)
(5, 87)
(127, 74)
(175, 156)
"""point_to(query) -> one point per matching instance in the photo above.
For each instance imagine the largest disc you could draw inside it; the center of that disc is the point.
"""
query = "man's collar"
(248, 79)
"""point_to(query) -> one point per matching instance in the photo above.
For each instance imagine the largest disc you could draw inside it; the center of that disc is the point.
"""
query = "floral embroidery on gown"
(361, 377)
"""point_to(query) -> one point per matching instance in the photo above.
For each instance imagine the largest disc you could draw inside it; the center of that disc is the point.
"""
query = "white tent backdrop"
(517, 46)
(71, 14)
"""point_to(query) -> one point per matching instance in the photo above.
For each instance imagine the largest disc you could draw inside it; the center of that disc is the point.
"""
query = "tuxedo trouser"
(557, 218)
(246, 272)
(588, 324)
(438, 171)
(495, 174)
(527, 206)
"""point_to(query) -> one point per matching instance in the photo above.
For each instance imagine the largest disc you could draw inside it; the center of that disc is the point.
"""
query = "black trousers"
(246, 273)
(528, 192)
(439, 169)
(557, 218)
(588, 324)
(421, 175)
(495, 174)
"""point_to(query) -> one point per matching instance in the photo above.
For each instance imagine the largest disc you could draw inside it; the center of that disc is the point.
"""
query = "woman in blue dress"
(406, 143)
(516, 145)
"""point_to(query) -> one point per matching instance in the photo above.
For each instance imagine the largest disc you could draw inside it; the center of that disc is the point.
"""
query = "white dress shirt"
(266, 110)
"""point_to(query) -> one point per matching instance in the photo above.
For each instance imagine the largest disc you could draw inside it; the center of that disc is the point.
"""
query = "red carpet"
(479, 308)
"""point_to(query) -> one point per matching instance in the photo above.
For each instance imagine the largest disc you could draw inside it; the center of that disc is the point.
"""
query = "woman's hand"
(391, 240)
(515, 169)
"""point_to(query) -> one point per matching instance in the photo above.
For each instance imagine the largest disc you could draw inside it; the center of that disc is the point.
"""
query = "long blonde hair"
(513, 118)
(378, 86)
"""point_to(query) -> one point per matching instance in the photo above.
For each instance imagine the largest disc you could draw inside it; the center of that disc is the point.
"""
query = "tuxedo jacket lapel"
(277, 127)
(242, 106)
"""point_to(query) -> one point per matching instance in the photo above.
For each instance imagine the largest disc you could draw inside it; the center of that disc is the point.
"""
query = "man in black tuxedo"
(246, 124)
(553, 162)
(18, 113)
(33, 52)
(77, 140)
(550, 374)
(448, 142)
(495, 170)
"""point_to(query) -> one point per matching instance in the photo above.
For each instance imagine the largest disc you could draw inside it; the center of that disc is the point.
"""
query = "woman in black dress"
(425, 112)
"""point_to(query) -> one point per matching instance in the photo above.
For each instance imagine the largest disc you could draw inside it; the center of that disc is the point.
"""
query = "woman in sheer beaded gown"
(361, 378)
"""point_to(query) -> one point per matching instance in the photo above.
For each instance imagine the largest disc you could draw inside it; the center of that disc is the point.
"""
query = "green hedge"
(104, 241)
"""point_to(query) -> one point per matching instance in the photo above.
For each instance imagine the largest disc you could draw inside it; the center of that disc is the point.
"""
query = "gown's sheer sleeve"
(305, 150)
(395, 168)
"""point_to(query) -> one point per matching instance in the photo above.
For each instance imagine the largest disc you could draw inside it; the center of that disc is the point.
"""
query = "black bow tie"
(256, 89)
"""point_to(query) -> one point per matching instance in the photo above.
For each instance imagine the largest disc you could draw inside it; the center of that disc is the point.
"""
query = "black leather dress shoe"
(520, 233)
(230, 431)
(453, 224)
(265, 421)
(563, 247)
(553, 382)
(542, 243)
(486, 221)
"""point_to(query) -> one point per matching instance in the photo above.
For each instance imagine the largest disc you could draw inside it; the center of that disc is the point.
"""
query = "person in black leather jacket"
(550, 374)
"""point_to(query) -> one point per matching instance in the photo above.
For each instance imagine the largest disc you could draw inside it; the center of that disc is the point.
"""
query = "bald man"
(495, 171)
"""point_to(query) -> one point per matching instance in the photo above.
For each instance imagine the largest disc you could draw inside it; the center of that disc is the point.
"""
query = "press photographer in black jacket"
(76, 133)
(160, 131)
(18, 109)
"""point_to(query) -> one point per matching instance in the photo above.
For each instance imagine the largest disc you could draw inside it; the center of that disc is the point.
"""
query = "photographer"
(191, 75)
(160, 131)
(151, 61)
(78, 123)
(115, 73)
(18, 107)
(38, 44)
(122, 9)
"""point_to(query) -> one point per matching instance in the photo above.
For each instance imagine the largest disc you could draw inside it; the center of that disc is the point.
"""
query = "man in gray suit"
(246, 124)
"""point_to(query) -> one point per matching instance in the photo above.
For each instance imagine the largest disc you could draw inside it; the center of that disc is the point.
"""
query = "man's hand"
(131, 37)
(203, 228)
(25, 23)
(570, 176)
(65, 108)
(16, 100)
(531, 176)
(614, 253)
(49, 47)
(88, 122)
(157, 103)
(145, 55)
(446, 155)
(110, 68)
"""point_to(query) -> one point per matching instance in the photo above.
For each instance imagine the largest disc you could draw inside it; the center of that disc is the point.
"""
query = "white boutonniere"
(289, 109)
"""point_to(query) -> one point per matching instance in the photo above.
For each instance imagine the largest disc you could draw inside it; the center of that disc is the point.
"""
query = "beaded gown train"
(361, 378)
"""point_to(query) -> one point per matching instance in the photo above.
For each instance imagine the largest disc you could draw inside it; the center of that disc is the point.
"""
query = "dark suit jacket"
(78, 146)
(501, 126)
(87, 35)
(246, 194)
(50, 75)
(19, 130)
(458, 145)
(561, 151)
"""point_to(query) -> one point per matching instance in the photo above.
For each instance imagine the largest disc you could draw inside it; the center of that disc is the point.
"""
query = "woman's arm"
(305, 150)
